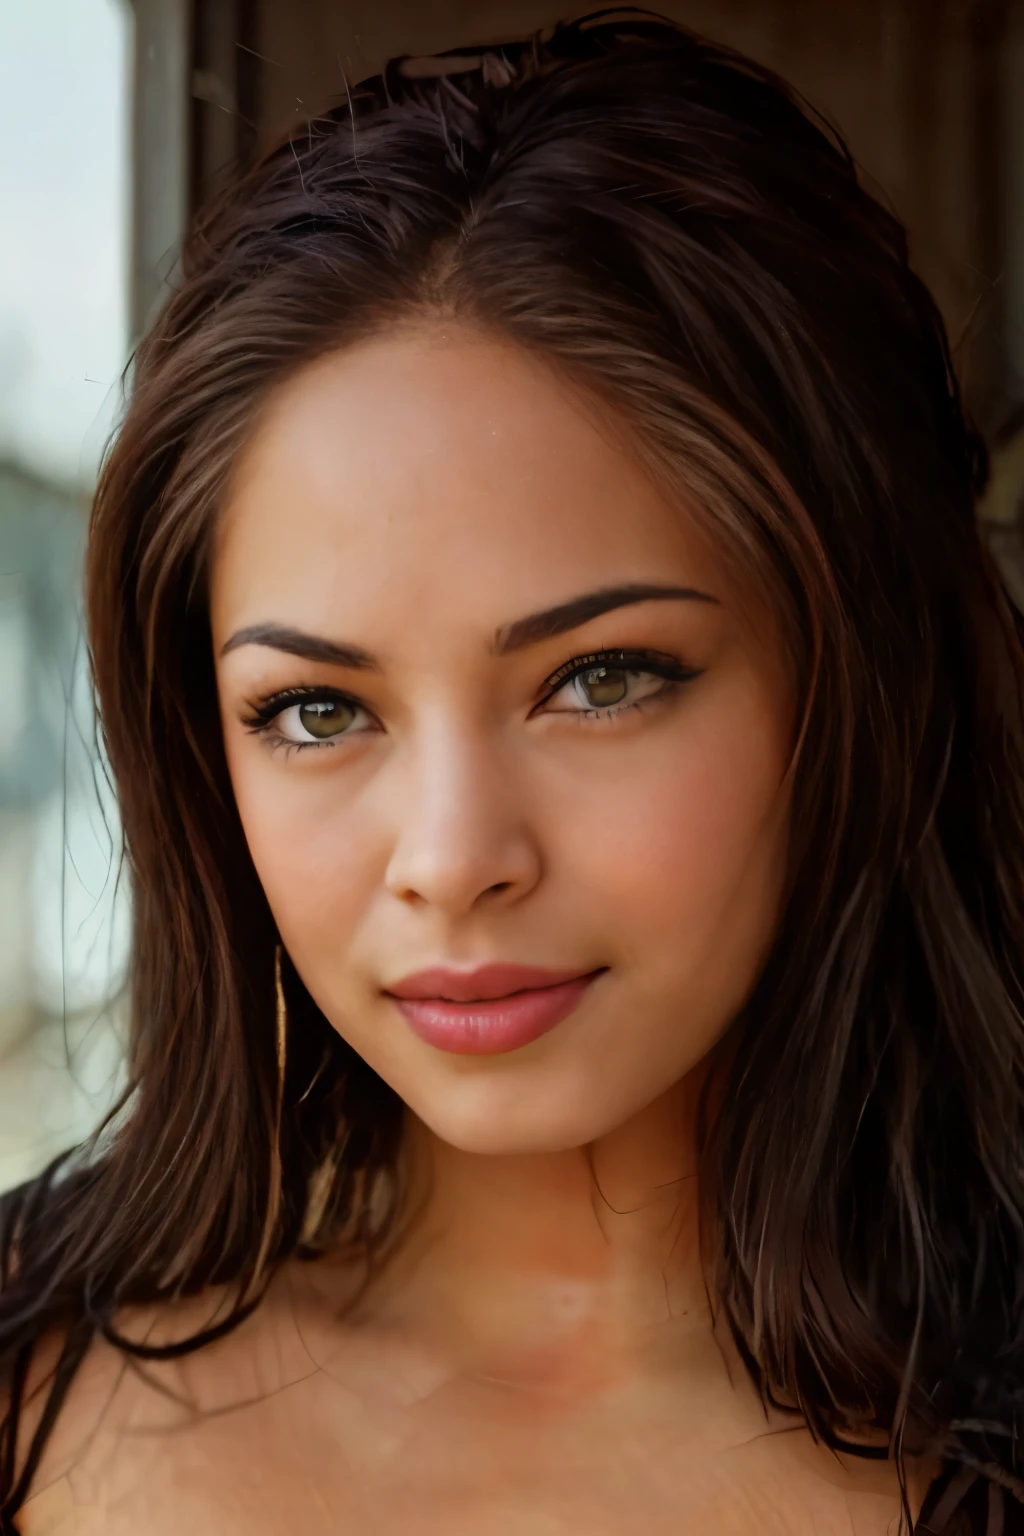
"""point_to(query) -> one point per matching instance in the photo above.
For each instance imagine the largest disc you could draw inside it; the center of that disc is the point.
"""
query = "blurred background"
(117, 119)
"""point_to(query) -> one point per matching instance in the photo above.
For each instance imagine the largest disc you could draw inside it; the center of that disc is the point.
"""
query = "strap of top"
(963, 1502)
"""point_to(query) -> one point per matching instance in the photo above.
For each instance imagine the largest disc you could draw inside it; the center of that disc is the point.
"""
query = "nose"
(462, 835)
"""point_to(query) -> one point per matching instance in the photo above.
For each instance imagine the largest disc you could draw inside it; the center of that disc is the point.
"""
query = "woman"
(568, 737)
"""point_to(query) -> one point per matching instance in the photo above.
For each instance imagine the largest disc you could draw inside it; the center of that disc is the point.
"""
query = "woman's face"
(489, 701)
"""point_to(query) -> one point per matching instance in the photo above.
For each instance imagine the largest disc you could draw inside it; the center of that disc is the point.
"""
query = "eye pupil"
(604, 685)
(325, 717)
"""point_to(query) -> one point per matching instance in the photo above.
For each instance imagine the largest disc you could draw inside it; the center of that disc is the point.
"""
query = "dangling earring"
(274, 1192)
(282, 1027)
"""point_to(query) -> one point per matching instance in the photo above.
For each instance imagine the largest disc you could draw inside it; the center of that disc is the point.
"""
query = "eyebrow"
(580, 610)
(279, 637)
(516, 636)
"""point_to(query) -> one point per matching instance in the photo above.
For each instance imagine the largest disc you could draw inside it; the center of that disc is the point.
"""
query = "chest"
(326, 1459)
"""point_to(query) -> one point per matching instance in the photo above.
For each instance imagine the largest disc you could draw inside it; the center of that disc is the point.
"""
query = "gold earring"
(282, 1027)
(274, 1191)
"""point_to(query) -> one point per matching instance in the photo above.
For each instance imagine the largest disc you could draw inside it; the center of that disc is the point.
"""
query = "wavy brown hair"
(669, 226)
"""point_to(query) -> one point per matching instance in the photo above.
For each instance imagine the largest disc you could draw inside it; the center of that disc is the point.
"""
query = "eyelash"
(655, 663)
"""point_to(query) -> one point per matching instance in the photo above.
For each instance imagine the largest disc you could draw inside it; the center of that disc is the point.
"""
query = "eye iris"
(325, 717)
(602, 686)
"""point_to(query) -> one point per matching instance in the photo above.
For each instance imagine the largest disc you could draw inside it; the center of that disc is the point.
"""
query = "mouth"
(489, 1010)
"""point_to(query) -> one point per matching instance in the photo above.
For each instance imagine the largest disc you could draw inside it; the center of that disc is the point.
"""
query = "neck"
(551, 1269)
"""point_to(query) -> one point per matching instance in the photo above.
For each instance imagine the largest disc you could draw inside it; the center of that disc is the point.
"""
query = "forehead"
(438, 462)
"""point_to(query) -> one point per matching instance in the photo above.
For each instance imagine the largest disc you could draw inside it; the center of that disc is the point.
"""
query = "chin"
(512, 1123)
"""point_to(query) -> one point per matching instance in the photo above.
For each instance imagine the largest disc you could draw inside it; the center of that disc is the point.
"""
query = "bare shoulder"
(814, 1488)
(129, 1423)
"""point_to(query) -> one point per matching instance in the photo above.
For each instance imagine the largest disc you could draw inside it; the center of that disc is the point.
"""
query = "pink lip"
(488, 1010)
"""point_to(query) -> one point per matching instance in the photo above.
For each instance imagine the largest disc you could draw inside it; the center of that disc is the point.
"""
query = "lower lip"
(493, 1025)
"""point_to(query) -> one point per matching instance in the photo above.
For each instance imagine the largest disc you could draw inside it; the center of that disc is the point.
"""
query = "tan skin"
(540, 1356)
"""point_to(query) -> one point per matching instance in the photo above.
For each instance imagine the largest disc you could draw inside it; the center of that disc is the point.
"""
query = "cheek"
(316, 856)
(690, 854)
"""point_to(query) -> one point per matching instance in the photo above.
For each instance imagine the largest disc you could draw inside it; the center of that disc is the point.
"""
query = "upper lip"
(481, 984)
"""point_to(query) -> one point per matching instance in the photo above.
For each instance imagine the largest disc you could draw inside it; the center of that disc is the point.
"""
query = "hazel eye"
(317, 719)
(605, 688)
(601, 686)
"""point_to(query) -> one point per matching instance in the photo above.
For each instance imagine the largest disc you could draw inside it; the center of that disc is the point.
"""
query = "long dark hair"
(671, 227)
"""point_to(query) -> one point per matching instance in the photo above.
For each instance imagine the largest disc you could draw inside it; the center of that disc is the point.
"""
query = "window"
(64, 188)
